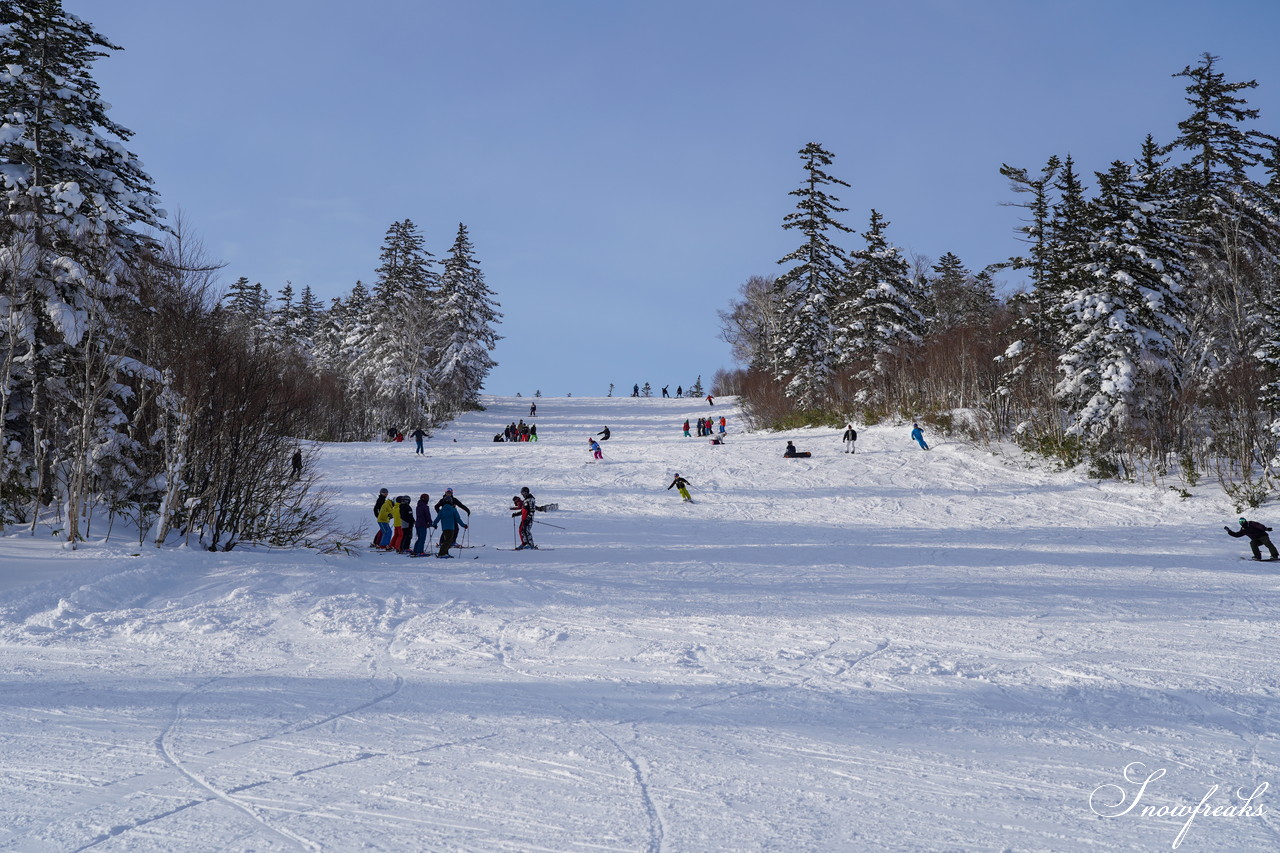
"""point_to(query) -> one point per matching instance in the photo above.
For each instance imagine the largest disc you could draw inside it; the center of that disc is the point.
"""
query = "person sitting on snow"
(792, 453)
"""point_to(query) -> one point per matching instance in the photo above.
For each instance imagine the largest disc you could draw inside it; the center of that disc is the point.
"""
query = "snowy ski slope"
(890, 651)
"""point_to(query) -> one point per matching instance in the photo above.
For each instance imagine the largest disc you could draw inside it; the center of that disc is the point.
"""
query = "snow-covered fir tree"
(75, 211)
(804, 348)
(465, 321)
(1269, 349)
(248, 301)
(1028, 361)
(1119, 370)
(957, 297)
(1268, 354)
(310, 315)
(1068, 249)
(1232, 220)
(393, 370)
(1221, 149)
(284, 317)
(881, 313)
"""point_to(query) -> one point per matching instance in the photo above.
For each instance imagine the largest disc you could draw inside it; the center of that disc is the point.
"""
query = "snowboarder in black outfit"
(1257, 533)
(664, 392)
(533, 410)
(418, 435)
(296, 462)
(604, 434)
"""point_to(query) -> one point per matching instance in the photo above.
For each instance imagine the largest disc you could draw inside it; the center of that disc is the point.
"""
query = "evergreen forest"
(1144, 344)
(130, 387)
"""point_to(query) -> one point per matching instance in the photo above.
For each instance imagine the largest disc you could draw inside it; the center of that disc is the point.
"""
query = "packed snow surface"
(894, 650)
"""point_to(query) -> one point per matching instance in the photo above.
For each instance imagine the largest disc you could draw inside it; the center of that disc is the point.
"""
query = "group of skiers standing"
(398, 521)
(706, 426)
(635, 392)
(518, 432)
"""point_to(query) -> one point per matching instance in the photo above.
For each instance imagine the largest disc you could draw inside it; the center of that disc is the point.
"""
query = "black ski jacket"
(451, 500)
(1255, 530)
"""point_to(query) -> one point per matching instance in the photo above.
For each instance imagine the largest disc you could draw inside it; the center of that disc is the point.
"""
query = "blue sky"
(624, 166)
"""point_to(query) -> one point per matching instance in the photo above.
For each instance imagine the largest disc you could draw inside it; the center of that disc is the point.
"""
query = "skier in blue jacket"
(918, 435)
(448, 519)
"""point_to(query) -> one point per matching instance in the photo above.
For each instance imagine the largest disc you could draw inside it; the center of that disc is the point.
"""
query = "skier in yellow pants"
(682, 485)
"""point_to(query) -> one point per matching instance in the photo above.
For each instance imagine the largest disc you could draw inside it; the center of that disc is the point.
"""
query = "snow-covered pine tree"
(881, 313)
(310, 316)
(1035, 332)
(393, 371)
(247, 300)
(1268, 353)
(1069, 249)
(356, 330)
(646, 390)
(466, 321)
(1119, 371)
(696, 390)
(75, 213)
(1221, 150)
(1269, 350)
(957, 296)
(1232, 220)
(804, 348)
(283, 318)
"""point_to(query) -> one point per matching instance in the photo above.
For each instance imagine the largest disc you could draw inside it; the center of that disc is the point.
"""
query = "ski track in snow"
(894, 650)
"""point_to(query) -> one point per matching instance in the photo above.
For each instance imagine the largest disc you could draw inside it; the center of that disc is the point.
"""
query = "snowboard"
(1263, 560)
(539, 548)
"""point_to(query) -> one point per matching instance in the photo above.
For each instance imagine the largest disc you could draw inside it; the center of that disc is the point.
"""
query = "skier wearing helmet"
(448, 498)
(682, 486)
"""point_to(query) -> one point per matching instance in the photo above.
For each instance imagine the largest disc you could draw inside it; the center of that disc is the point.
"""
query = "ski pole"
(556, 526)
